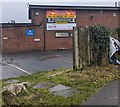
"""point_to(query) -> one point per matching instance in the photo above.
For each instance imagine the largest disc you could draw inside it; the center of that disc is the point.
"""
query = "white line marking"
(18, 68)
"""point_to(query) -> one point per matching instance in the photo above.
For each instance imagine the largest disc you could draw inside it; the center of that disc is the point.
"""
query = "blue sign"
(30, 32)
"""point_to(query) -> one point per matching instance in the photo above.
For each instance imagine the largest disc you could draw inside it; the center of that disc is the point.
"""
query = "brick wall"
(52, 43)
(18, 42)
(105, 18)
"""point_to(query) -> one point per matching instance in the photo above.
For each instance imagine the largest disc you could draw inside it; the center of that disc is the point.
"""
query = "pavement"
(19, 64)
(108, 95)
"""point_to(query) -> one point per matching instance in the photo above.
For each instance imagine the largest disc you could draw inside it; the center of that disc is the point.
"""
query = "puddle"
(49, 57)
(44, 85)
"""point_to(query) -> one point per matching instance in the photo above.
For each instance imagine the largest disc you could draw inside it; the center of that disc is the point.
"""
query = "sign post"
(75, 50)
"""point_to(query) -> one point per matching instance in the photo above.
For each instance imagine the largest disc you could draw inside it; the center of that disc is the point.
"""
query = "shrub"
(99, 39)
(117, 30)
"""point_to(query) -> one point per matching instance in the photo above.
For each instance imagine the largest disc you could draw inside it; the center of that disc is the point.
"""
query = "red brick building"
(51, 27)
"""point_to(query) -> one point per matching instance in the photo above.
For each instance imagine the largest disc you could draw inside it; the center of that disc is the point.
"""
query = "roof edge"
(72, 7)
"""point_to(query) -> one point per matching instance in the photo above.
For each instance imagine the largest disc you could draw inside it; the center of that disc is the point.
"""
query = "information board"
(61, 19)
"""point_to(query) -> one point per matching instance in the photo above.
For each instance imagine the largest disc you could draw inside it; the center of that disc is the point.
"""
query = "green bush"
(99, 39)
(117, 30)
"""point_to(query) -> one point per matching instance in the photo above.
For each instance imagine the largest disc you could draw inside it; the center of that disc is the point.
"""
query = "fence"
(83, 53)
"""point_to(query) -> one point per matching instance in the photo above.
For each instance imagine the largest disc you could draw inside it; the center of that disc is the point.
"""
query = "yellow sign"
(61, 22)
(61, 14)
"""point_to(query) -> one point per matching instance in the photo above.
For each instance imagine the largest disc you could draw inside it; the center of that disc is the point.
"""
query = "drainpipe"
(115, 4)
(44, 28)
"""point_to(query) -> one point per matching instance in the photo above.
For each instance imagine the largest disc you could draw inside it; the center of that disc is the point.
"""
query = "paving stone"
(11, 81)
(44, 85)
(59, 87)
(66, 93)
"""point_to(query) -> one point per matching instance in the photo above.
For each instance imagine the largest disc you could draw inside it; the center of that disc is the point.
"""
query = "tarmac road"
(18, 64)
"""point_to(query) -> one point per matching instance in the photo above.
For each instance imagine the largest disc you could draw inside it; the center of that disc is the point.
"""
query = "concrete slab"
(66, 93)
(59, 87)
(11, 81)
(44, 85)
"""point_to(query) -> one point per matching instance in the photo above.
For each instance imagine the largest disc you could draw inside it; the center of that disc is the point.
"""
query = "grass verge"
(87, 82)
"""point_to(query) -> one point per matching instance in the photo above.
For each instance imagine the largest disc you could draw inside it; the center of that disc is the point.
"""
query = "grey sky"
(15, 11)
(18, 11)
